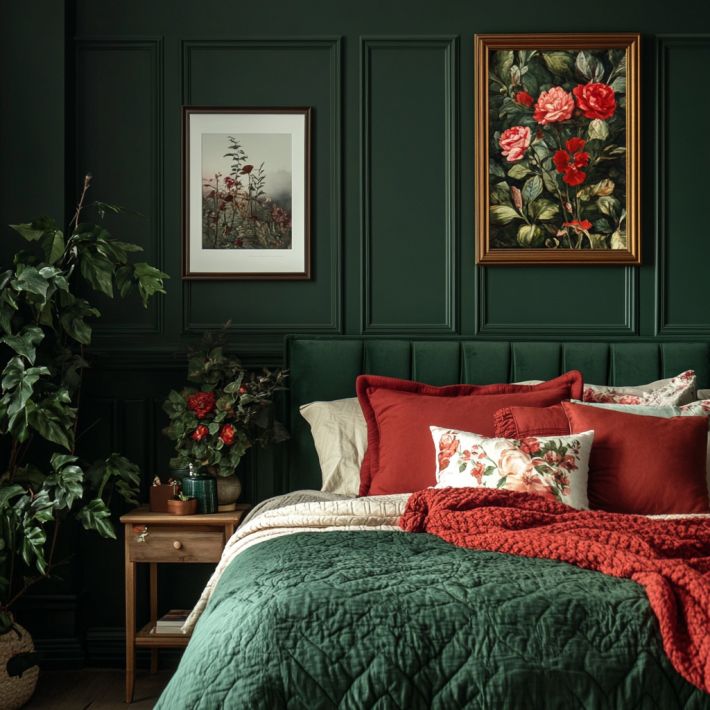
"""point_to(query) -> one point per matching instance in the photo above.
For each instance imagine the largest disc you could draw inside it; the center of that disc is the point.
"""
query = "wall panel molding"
(448, 46)
(332, 48)
(153, 47)
(627, 325)
(665, 44)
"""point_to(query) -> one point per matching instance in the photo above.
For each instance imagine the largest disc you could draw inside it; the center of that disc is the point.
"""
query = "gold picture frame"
(557, 131)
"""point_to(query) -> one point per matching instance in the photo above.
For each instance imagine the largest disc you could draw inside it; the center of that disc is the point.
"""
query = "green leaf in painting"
(559, 63)
(618, 239)
(609, 206)
(502, 214)
(544, 209)
(530, 235)
(500, 194)
(503, 62)
(598, 130)
(619, 84)
(589, 67)
(519, 171)
(532, 189)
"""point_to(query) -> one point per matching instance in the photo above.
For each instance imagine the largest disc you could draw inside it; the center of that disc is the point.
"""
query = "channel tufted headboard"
(325, 368)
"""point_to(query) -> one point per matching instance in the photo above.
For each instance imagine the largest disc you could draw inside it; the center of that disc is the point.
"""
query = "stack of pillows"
(642, 450)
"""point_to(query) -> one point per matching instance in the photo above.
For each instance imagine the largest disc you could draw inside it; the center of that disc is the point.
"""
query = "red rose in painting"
(200, 433)
(574, 145)
(514, 142)
(553, 106)
(595, 100)
(201, 403)
(246, 170)
(227, 434)
(524, 99)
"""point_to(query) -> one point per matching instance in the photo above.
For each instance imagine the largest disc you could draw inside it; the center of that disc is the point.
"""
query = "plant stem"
(80, 206)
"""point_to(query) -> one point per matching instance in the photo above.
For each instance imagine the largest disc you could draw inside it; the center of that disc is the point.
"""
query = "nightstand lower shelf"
(147, 638)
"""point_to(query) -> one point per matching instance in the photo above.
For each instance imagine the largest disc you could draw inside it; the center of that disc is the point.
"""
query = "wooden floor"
(99, 689)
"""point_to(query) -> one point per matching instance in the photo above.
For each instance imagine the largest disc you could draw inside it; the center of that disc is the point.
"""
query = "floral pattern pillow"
(674, 391)
(552, 466)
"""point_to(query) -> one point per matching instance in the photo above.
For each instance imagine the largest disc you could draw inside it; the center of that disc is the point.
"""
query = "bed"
(322, 600)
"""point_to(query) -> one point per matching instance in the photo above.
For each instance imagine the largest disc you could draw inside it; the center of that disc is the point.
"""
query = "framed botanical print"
(246, 193)
(557, 148)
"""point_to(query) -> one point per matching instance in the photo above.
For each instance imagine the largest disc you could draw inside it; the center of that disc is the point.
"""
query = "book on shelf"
(172, 622)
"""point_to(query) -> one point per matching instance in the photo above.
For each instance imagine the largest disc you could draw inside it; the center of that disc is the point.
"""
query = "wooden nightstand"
(153, 538)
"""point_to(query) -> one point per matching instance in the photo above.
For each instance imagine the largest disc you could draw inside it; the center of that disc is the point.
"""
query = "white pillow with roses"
(552, 466)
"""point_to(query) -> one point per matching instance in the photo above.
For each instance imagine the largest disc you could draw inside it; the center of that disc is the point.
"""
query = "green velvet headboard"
(325, 368)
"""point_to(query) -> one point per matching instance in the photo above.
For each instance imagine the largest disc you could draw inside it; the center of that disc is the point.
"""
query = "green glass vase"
(203, 487)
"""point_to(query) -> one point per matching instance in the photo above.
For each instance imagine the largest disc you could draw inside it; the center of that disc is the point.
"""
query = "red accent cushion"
(400, 453)
(521, 422)
(644, 465)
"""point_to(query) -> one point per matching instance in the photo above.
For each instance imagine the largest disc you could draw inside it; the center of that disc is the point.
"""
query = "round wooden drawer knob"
(177, 545)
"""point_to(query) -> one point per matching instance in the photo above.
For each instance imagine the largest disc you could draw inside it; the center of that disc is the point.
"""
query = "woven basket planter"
(18, 669)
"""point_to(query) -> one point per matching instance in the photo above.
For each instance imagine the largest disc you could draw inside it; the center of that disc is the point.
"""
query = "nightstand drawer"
(153, 543)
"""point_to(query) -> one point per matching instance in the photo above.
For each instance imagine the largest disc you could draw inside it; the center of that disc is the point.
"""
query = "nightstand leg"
(130, 624)
(153, 612)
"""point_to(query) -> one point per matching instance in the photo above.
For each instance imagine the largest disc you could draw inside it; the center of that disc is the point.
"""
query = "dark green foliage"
(230, 409)
(44, 326)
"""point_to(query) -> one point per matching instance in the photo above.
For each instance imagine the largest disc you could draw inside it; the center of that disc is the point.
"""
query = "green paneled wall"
(97, 85)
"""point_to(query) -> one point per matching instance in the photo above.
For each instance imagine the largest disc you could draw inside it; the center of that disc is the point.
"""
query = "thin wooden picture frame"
(261, 232)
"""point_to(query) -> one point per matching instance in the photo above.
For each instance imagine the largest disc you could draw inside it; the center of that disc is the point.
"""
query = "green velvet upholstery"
(326, 368)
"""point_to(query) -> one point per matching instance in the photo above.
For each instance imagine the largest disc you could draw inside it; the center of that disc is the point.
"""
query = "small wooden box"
(159, 497)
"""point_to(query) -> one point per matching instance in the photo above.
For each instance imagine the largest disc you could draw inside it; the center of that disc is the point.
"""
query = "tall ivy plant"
(45, 321)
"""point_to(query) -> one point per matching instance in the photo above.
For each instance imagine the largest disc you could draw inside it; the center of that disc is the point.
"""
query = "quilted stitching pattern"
(389, 620)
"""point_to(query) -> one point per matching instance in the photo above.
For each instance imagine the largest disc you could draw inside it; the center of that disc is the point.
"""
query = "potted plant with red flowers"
(224, 411)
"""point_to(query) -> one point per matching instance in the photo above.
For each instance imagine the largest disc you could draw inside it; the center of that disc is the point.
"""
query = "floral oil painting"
(557, 149)
(246, 187)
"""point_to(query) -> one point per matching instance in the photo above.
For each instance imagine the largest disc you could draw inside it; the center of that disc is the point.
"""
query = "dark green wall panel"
(118, 139)
(271, 73)
(684, 237)
(539, 300)
(409, 155)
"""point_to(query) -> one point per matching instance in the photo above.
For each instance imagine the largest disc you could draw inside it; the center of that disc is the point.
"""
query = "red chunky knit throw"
(669, 558)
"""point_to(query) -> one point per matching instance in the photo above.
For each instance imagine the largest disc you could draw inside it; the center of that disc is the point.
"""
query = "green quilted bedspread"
(395, 620)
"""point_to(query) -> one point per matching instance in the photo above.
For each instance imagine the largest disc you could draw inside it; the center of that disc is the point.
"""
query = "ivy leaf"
(18, 384)
(32, 546)
(30, 281)
(28, 231)
(25, 343)
(98, 271)
(96, 516)
(72, 319)
(42, 507)
(150, 280)
(53, 246)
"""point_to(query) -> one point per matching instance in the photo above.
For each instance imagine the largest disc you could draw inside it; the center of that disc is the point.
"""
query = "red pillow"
(520, 422)
(400, 452)
(644, 465)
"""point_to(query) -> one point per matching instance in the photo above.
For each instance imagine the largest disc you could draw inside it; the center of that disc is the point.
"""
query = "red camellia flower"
(227, 434)
(595, 100)
(514, 142)
(201, 403)
(570, 161)
(553, 106)
(524, 99)
(200, 433)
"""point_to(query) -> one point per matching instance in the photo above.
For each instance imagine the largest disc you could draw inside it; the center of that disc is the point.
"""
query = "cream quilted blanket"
(371, 513)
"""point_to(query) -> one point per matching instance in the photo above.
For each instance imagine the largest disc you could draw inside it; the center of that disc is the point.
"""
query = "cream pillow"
(555, 467)
(340, 435)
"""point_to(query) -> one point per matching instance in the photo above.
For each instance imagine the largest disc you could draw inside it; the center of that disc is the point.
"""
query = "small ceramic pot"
(182, 507)
(229, 488)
